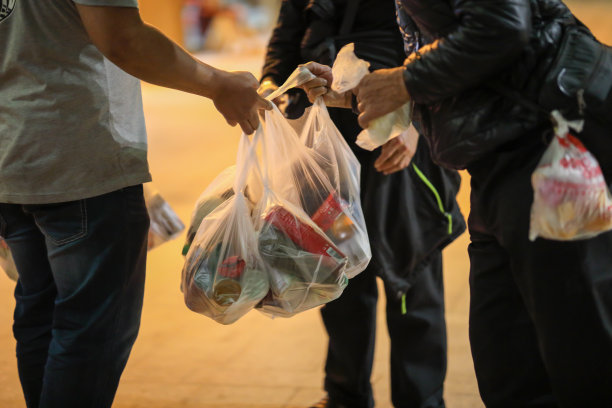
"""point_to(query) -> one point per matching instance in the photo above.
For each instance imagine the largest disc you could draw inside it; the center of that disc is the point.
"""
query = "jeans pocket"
(61, 223)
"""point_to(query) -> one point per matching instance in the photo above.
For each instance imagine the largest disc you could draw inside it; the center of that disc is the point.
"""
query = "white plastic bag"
(340, 216)
(348, 71)
(571, 198)
(6, 261)
(224, 276)
(306, 269)
(165, 224)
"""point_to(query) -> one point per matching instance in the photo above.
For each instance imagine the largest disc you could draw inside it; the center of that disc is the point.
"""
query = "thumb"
(263, 103)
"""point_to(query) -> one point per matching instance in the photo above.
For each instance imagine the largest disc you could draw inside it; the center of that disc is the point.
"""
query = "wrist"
(404, 78)
(215, 83)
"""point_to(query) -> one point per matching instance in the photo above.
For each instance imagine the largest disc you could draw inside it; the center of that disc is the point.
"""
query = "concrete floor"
(185, 360)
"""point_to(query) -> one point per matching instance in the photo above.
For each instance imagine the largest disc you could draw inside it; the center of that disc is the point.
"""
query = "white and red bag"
(571, 198)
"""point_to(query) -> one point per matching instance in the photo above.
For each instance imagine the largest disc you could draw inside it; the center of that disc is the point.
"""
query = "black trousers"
(541, 312)
(418, 341)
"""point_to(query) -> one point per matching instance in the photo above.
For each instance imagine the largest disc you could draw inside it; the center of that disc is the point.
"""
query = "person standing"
(407, 226)
(72, 163)
(540, 321)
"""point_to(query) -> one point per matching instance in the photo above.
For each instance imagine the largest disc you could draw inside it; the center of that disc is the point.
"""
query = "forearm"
(149, 55)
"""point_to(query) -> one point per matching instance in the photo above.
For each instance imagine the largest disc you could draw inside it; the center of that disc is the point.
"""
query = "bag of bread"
(571, 198)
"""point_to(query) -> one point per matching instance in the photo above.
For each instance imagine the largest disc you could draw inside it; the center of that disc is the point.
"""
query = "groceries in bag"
(165, 224)
(340, 215)
(304, 267)
(6, 261)
(571, 198)
(348, 71)
(224, 276)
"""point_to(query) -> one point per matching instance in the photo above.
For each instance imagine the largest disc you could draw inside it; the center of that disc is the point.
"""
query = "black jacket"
(408, 214)
(466, 48)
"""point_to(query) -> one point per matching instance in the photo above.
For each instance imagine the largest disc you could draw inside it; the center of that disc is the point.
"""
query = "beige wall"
(165, 15)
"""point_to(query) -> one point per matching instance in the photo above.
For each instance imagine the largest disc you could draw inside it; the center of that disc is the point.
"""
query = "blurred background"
(184, 360)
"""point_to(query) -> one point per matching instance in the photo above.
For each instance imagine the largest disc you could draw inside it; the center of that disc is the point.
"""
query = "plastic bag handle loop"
(246, 157)
(298, 77)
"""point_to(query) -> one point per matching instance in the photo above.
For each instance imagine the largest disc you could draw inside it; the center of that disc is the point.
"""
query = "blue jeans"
(79, 296)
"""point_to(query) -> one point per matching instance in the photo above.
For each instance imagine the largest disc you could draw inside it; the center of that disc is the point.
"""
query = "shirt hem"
(73, 195)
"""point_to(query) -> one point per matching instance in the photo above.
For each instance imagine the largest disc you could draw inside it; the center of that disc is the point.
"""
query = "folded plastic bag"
(224, 276)
(165, 224)
(6, 261)
(306, 269)
(348, 71)
(340, 215)
(571, 198)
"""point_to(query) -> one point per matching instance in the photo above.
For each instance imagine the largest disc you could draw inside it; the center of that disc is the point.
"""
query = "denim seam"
(75, 237)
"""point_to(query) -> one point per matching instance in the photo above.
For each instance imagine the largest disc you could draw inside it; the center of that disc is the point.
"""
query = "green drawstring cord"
(433, 189)
(404, 304)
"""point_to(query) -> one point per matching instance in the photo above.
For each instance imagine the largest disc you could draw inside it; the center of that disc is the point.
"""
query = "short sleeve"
(109, 3)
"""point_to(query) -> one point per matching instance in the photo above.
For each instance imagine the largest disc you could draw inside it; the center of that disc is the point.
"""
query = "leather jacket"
(459, 51)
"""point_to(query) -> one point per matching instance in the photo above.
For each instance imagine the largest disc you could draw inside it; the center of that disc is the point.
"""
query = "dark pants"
(418, 341)
(79, 296)
(541, 312)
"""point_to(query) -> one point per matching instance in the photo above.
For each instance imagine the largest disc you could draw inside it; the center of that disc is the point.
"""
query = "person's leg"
(34, 295)
(418, 340)
(507, 360)
(562, 290)
(350, 322)
(97, 252)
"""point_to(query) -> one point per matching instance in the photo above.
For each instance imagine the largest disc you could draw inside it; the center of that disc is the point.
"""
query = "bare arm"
(144, 52)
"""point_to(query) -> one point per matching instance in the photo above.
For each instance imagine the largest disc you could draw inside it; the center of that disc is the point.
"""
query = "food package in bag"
(340, 215)
(6, 261)
(224, 276)
(306, 269)
(165, 224)
(348, 71)
(571, 198)
(217, 192)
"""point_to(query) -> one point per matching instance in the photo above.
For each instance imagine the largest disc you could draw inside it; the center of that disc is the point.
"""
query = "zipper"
(433, 189)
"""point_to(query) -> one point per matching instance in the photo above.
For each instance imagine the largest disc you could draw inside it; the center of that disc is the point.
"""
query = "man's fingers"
(365, 117)
(254, 120)
(263, 104)
(320, 70)
(315, 92)
(246, 127)
(387, 152)
(315, 83)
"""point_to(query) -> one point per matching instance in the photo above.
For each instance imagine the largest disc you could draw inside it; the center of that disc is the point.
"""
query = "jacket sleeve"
(488, 35)
(283, 53)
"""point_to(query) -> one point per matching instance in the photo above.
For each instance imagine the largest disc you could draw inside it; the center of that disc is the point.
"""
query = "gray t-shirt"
(71, 122)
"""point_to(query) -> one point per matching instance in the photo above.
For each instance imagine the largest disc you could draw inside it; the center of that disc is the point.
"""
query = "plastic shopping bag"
(340, 215)
(165, 224)
(571, 198)
(224, 276)
(6, 261)
(348, 71)
(306, 269)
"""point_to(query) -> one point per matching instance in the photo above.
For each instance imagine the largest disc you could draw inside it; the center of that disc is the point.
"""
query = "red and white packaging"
(571, 198)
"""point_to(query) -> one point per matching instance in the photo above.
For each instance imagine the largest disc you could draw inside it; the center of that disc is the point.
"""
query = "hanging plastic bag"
(224, 276)
(6, 261)
(218, 191)
(340, 215)
(571, 198)
(165, 224)
(348, 71)
(306, 269)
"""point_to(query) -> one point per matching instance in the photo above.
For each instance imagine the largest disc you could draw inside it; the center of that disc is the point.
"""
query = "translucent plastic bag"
(348, 71)
(218, 191)
(6, 261)
(340, 215)
(571, 198)
(306, 269)
(224, 276)
(165, 224)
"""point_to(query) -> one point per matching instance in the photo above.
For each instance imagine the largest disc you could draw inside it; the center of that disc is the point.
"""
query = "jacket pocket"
(61, 223)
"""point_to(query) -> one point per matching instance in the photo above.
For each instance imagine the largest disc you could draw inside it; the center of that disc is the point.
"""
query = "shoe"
(325, 402)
